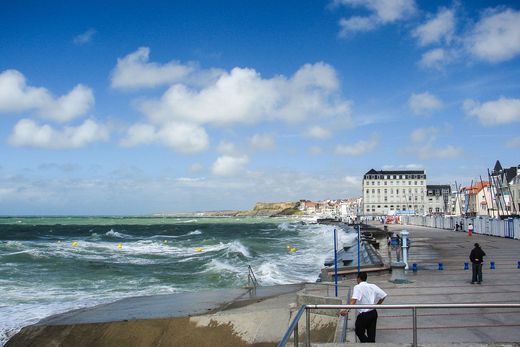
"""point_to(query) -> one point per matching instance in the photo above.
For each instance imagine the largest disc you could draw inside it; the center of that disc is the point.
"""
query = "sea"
(50, 265)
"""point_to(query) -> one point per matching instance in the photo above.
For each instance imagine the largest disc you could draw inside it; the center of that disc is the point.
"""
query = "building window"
(414, 183)
(368, 191)
(373, 191)
(397, 191)
(378, 191)
(385, 191)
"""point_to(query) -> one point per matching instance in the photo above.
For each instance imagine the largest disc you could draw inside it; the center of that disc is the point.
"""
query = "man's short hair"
(362, 275)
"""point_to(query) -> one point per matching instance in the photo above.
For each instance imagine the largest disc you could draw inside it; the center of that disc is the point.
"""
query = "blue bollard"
(466, 266)
(518, 266)
(492, 265)
(441, 267)
(414, 267)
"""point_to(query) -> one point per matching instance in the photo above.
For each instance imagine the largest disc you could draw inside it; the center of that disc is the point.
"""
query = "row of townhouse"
(333, 208)
(497, 196)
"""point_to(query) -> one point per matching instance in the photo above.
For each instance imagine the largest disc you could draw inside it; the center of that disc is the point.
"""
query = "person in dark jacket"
(477, 257)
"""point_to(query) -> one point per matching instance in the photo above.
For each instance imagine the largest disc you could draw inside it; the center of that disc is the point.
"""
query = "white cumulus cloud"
(225, 147)
(135, 71)
(424, 145)
(263, 141)
(28, 133)
(437, 29)
(380, 12)
(424, 103)
(17, 96)
(318, 132)
(497, 112)
(496, 37)
(227, 165)
(243, 96)
(436, 58)
(359, 148)
(181, 137)
(424, 134)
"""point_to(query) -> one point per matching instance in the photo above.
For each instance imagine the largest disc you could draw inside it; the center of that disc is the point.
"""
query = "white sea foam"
(218, 266)
(237, 247)
(269, 273)
(116, 234)
(195, 232)
(287, 226)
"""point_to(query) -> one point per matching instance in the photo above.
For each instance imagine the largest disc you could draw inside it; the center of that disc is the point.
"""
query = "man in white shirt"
(366, 294)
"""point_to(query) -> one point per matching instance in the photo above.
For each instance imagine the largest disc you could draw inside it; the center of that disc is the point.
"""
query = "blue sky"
(136, 108)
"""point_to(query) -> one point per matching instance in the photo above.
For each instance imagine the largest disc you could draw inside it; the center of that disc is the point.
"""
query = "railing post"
(414, 314)
(296, 335)
(308, 328)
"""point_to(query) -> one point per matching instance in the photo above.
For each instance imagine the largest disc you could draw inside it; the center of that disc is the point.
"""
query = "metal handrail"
(293, 327)
(343, 335)
(307, 308)
(251, 278)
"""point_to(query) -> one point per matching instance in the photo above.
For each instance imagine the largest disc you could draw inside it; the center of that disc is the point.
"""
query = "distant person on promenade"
(366, 294)
(476, 256)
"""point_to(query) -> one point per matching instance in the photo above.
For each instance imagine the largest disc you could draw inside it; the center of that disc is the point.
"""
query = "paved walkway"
(452, 285)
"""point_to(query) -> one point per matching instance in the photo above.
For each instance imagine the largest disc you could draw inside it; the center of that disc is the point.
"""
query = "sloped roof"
(477, 187)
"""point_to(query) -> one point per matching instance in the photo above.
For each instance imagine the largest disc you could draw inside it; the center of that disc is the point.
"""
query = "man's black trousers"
(366, 323)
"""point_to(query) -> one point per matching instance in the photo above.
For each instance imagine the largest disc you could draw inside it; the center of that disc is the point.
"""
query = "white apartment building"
(394, 192)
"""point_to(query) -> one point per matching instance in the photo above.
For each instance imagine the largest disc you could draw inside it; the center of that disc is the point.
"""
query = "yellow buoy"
(288, 246)
(165, 241)
(199, 249)
(75, 244)
(120, 246)
(293, 250)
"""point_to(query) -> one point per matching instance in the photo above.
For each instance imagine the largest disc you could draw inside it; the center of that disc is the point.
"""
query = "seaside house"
(477, 199)
(501, 187)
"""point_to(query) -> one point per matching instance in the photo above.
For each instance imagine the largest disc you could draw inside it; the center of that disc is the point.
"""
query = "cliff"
(262, 209)
(272, 209)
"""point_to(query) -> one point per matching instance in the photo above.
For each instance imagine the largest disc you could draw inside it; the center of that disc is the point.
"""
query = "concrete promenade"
(452, 285)
(232, 318)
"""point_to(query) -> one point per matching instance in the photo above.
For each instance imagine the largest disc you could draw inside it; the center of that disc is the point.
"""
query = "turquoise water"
(50, 265)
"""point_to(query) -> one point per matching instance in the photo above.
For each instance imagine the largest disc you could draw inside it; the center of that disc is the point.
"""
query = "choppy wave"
(116, 234)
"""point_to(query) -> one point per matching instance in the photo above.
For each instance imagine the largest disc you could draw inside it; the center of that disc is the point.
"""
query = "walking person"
(476, 256)
(366, 294)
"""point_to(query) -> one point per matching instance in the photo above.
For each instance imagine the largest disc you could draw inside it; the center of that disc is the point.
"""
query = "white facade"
(390, 192)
